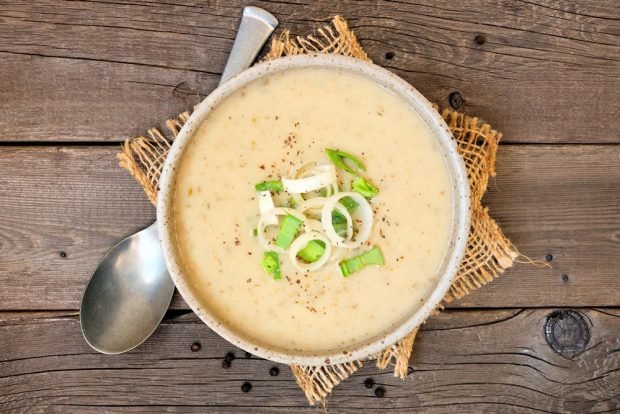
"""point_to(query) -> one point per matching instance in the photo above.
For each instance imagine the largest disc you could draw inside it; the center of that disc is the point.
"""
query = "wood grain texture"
(72, 200)
(559, 200)
(539, 71)
(562, 201)
(464, 361)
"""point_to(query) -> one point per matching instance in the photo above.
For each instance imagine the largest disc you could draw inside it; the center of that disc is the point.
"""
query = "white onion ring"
(301, 242)
(315, 203)
(321, 167)
(263, 223)
(327, 173)
(347, 179)
(364, 210)
(306, 169)
(265, 203)
(319, 202)
(317, 178)
(343, 210)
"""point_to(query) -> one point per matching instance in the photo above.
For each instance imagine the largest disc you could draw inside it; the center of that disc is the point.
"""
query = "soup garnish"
(320, 225)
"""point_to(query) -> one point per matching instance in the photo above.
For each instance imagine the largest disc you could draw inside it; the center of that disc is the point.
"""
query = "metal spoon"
(130, 291)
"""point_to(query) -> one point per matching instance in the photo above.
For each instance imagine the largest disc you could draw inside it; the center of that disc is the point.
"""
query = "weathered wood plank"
(89, 100)
(62, 208)
(538, 71)
(562, 201)
(464, 361)
(559, 200)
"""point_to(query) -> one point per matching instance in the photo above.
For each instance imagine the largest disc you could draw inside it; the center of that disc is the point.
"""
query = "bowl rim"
(461, 214)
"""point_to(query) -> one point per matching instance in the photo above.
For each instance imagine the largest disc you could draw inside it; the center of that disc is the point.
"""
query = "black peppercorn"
(274, 371)
(390, 55)
(246, 387)
(195, 347)
(225, 364)
(63, 254)
(380, 392)
(549, 257)
(369, 383)
(229, 357)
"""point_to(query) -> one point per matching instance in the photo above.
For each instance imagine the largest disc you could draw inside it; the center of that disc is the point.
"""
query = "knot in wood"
(567, 333)
(456, 100)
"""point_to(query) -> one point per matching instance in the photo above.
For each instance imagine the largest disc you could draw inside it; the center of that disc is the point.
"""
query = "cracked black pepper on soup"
(312, 210)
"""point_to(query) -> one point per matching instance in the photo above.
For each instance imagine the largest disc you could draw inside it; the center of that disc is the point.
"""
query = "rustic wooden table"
(78, 77)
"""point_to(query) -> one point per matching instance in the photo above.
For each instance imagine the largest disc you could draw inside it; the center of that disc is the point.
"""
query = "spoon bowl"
(128, 295)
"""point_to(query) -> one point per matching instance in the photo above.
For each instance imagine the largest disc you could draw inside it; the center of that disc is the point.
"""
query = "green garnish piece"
(291, 203)
(271, 264)
(270, 186)
(340, 229)
(349, 204)
(339, 221)
(373, 256)
(288, 231)
(255, 232)
(338, 217)
(338, 158)
(313, 251)
(364, 187)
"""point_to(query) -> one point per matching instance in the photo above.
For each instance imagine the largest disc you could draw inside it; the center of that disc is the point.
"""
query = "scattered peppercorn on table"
(78, 78)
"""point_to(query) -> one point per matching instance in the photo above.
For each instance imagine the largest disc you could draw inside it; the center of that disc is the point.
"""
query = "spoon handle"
(255, 28)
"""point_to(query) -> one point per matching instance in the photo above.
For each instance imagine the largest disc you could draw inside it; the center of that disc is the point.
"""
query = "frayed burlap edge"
(488, 252)
(331, 39)
(318, 382)
(144, 157)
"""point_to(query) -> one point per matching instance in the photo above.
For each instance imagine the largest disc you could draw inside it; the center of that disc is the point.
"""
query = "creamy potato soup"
(265, 132)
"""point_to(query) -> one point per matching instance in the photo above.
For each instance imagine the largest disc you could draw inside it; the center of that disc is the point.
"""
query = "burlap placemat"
(488, 253)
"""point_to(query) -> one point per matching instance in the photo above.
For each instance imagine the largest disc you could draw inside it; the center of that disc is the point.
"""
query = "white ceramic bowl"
(460, 227)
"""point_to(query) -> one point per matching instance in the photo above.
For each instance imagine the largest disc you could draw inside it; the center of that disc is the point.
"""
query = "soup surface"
(260, 132)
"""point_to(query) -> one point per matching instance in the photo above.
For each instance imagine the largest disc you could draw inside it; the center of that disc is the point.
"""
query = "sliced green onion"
(270, 186)
(339, 157)
(302, 242)
(323, 192)
(364, 187)
(255, 232)
(338, 217)
(363, 220)
(288, 230)
(313, 251)
(339, 221)
(341, 229)
(373, 256)
(291, 203)
(271, 264)
(349, 204)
